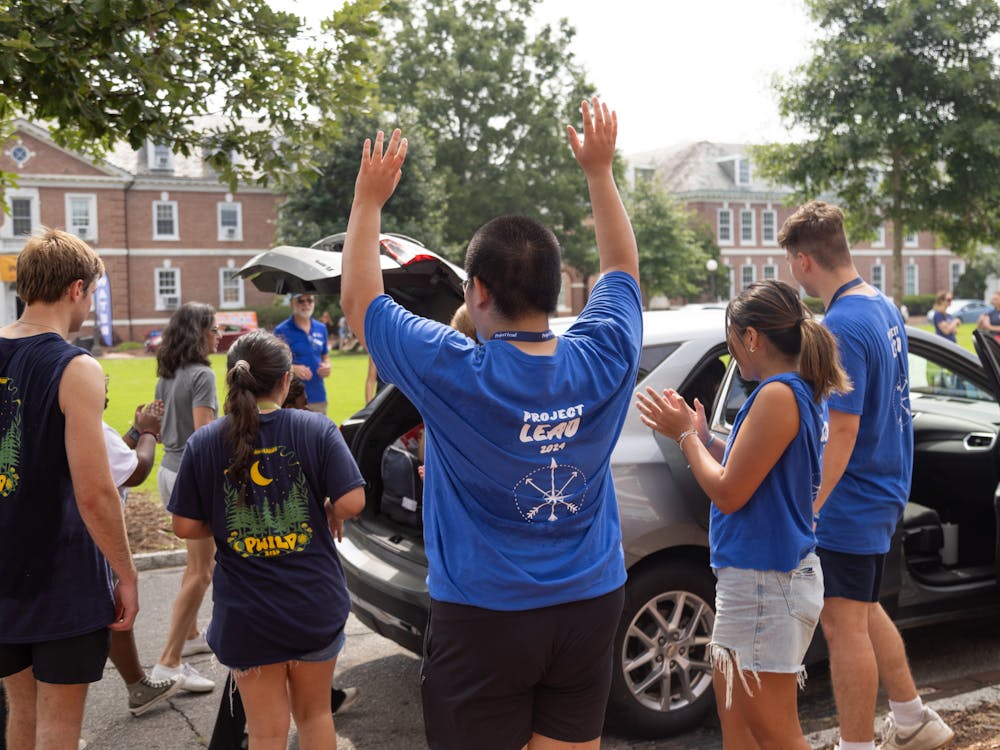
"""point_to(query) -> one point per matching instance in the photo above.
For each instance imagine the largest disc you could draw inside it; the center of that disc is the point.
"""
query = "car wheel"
(662, 679)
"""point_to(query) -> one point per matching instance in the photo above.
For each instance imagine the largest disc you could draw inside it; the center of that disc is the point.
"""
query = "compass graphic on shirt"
(551, 492)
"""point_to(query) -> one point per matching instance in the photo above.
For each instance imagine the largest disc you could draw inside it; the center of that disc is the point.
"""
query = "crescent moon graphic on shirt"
(257, 477)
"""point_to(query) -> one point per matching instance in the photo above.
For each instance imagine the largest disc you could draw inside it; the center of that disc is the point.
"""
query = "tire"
(662, 680)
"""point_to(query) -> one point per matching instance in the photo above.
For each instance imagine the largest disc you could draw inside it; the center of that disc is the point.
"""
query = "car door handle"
(979, 441)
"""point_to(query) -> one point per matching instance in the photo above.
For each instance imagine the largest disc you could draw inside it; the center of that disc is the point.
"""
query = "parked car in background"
(943, 563)
(968, 310)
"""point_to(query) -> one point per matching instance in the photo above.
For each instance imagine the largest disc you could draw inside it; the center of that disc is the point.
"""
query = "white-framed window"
(770, 272)
(743, 172)
(748, 274)
(167, 288)
(879, 240)
(769, 227)
(725, 224)
(878, 277)
(912, 279)
(159, 157)
(230, 288)
(23, 218)
(165, 220)
(911, 239)
(564, 305)
(746, 227)
(230, 220)
(81, 215)
(644, 175)
(956, 268)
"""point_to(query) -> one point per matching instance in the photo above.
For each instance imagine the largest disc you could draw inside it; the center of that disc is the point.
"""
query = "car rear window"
(651, 357)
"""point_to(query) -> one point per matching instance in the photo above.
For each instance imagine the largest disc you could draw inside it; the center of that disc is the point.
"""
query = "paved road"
(387, 717)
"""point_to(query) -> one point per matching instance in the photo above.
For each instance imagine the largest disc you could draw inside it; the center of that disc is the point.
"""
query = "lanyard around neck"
(856, 281)
(523, 335)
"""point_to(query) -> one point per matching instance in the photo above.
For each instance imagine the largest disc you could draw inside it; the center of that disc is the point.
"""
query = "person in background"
(867, 468)
(273, 486)
(306, 338)
(990, 321)
(944, 323)
(131, 458)
(186, 385)
(61, 522)
(762, 482)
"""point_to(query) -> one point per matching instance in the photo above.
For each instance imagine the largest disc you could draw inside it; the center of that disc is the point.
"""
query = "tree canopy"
(673, 249)
(323, 207)
(901, 99)
(237, 82)
(490, 99)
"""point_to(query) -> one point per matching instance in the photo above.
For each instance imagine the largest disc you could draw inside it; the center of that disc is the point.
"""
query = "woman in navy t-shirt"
(762, 484)
(258, 482)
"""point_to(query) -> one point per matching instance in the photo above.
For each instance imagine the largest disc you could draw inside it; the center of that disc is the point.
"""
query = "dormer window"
(743, 172)
(161, 158)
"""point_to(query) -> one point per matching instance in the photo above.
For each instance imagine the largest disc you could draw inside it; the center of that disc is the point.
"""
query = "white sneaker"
(930, 734)
(193, 681)
(196, 645)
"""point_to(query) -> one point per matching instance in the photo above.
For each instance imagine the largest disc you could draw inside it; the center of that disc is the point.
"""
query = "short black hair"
(519, 260)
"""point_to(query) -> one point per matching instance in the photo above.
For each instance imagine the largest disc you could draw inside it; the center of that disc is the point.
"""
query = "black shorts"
(68, 661)
(491, 679)
(854, 577)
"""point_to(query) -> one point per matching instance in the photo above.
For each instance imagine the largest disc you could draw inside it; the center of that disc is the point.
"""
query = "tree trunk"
(897, 230)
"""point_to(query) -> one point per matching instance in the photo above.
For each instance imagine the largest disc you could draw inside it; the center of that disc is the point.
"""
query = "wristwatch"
(133, 433)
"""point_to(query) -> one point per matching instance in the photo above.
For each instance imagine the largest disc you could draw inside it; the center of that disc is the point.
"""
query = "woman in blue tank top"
(762, 483)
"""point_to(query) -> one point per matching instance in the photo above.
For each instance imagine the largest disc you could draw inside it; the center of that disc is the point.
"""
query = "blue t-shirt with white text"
(861, 513)
(519, 505)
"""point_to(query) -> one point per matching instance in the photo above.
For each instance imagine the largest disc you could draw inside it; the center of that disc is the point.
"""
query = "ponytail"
(819, 361)
(257, 362)
(775, 309)
(244, 419)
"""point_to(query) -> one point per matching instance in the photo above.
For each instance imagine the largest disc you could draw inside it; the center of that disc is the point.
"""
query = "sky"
(677, 70)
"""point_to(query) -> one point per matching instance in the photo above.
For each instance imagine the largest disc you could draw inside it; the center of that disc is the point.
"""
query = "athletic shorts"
(165, 481)
(854, 577)
(490, 679)
(68, 661)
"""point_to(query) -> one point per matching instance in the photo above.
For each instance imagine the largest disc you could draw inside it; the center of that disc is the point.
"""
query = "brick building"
(716, 181)
(167, 230)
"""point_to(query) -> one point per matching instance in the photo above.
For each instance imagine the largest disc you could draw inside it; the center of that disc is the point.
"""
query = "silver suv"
(943, 563)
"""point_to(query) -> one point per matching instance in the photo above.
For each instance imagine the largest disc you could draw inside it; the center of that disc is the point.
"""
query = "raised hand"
(600, 130)
(380, 169)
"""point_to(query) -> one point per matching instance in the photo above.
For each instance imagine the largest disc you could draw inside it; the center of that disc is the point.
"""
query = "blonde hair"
(50, 262)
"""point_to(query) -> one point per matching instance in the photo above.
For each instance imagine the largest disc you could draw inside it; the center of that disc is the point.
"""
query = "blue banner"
(102, 302)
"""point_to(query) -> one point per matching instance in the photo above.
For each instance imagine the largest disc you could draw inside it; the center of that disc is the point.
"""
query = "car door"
(988, 350)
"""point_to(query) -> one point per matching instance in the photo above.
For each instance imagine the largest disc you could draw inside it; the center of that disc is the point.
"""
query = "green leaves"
(111, 70)
(901, 99)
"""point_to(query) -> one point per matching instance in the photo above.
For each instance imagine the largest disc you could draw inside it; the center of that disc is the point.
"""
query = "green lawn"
(133, 382)
(964, 334)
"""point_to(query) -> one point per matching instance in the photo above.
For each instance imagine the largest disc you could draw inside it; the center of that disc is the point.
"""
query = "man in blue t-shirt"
(866, 482)
(521, 521)
(310, 348)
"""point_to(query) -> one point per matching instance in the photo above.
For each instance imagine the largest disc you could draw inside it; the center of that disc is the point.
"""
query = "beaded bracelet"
(683, 436)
